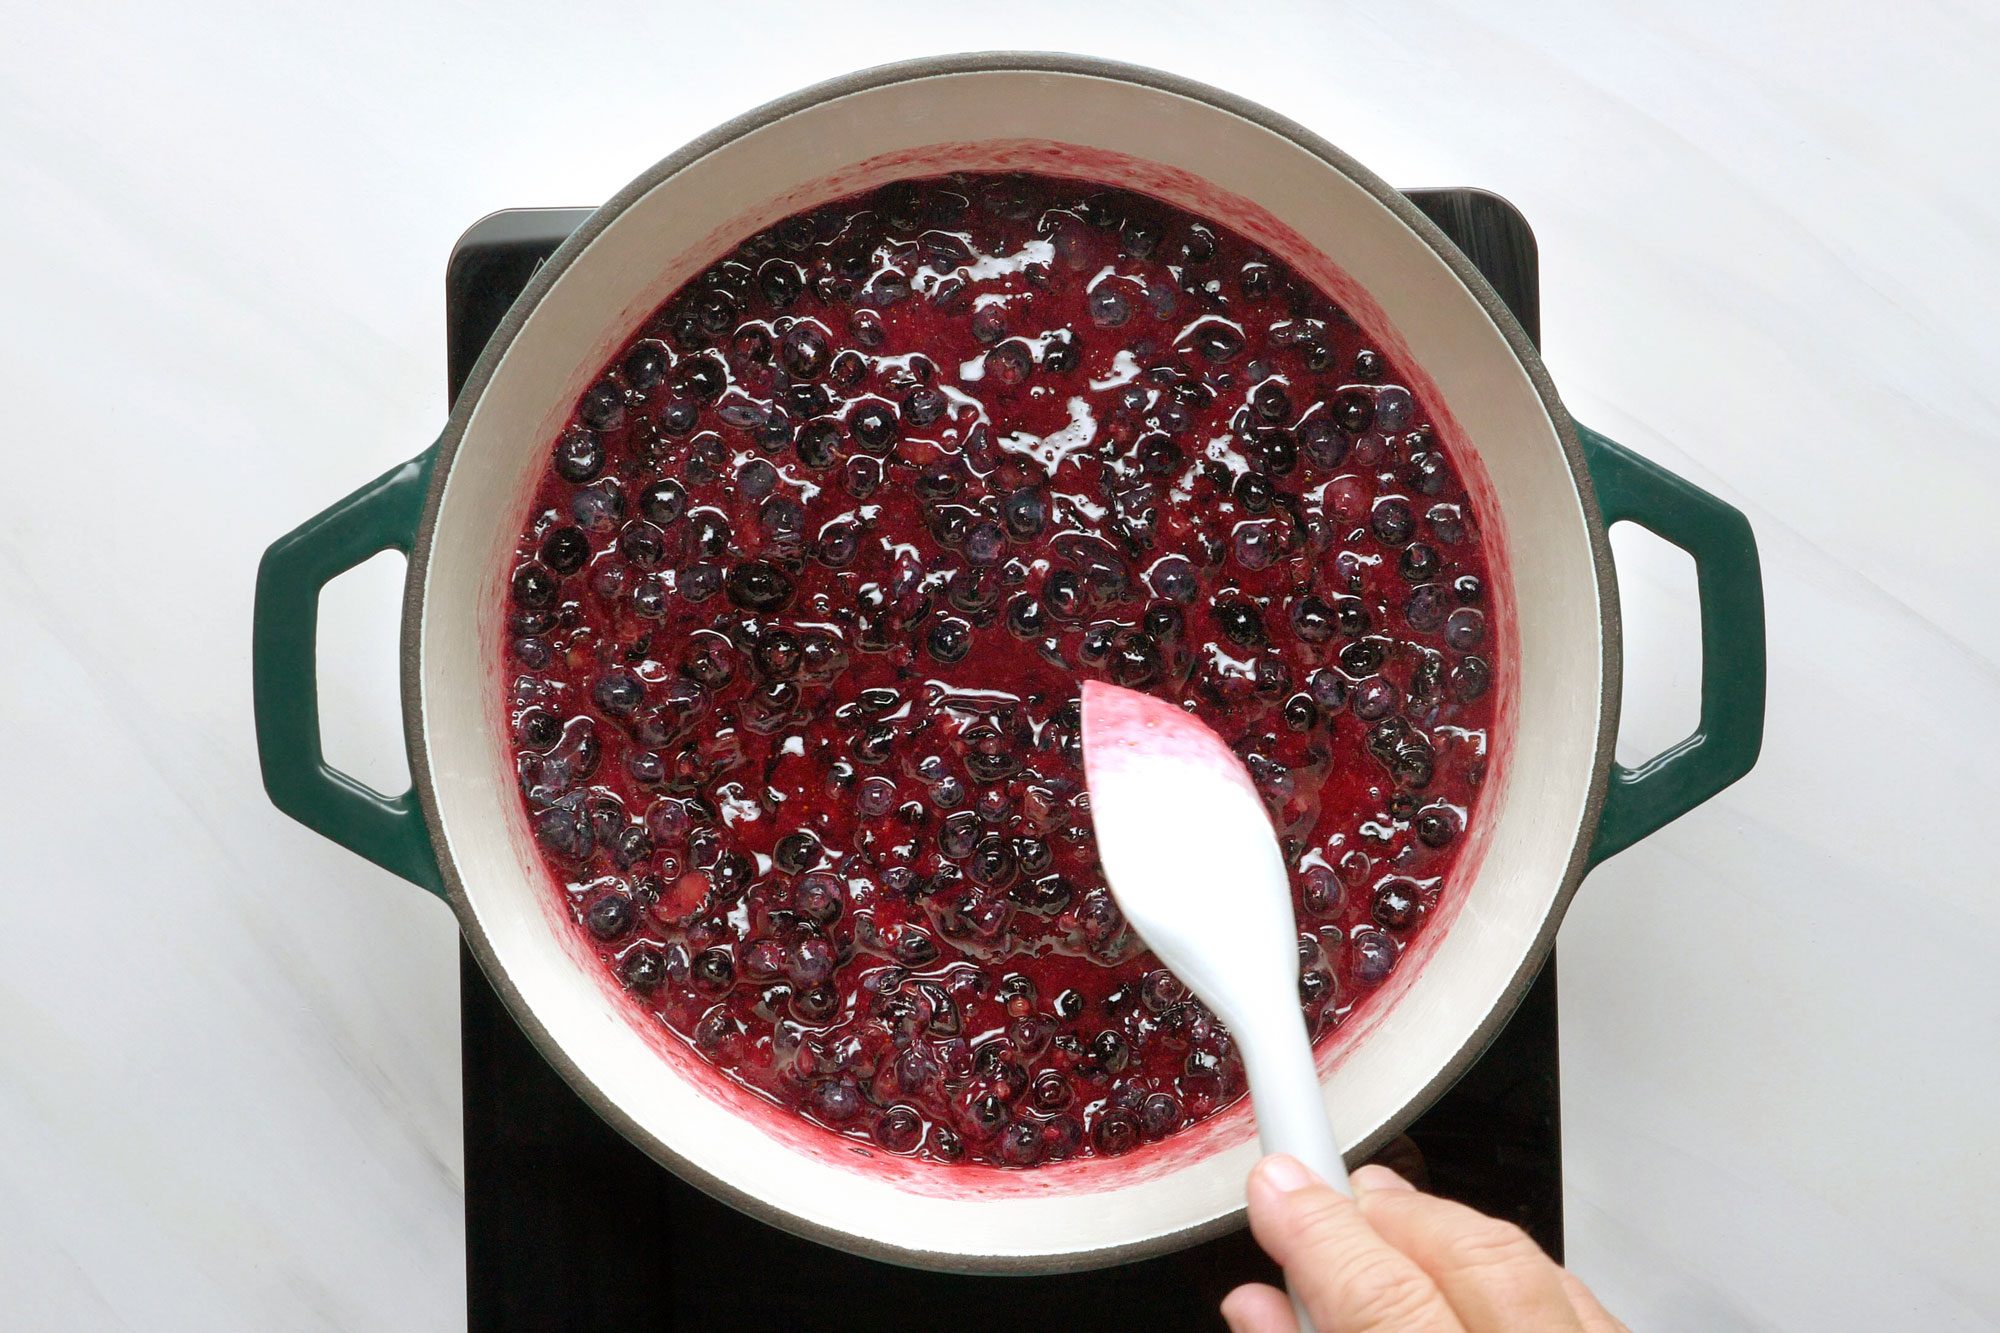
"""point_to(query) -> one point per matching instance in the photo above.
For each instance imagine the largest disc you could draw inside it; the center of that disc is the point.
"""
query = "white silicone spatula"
(1192, 859)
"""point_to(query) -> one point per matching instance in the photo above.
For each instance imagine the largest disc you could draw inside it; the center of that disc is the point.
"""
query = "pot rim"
(881, 76)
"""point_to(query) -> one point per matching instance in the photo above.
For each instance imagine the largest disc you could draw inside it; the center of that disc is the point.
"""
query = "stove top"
(569, 1226)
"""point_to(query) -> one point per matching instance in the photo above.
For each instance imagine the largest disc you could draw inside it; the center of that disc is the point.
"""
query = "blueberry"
(1062, 594)
(609, 916)
(1254, 545)
(1240, 621)
(1312, 619)
(1025, 617)
(598, 507)
(1469, 679)
(1061, 352)
(1427, 472)
(1362, 657)
(875, 797)
(1328, 690)
(1351, 616)
(1277, 452)
(1010, 363)
(618, 692)
(645, 366)
(1372, 956)
(534, 587)
(678, 415)
(1300, 712)
(1323, 444)
(1468, 589)
(781, 283)
(993, 863)
(1270, 402)
(642, 544)
(703, 377)
(1253, 492)
(1174, 579)
(565, 550)
(602, 406)
(538, 729)
(759, 585)
(1160, 456)
(643, 969)
(818, 443)
(713, 969)
(566, 830)
(1024, 512)
(1396, 905)
(1108, 306)
(1217, 340)
(836, 1100)
(923, 405)
(874, 427)
(1426, 607)
(1437, 825)
(796, 851)
(914, 948)
(804, 351)
(949, 639)
(1368, 366)
(663, 502)
(579, 456)
(700, 581)
(899, 1129)
(837, 546)
(1419, 562)
(1135, 660)
(1353, 410)
(756, 479)
(1392, 522)
(783, 520)
(1159, 1114)
(1465, 629)
(985, 543)
(533, 653)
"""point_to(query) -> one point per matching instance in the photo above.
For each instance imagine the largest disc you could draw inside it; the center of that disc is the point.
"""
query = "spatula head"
(1188, 848)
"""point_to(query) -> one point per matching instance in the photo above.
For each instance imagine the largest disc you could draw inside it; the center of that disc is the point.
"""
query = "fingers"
(1256, 1308)
(1348, 1277)
(1594, 1317)
(1490, 1272)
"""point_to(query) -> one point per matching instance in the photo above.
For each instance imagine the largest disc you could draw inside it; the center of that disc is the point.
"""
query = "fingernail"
(1374, 1177)
(1285, 1174)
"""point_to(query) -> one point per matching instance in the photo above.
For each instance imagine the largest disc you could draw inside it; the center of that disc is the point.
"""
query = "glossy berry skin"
(791, 637)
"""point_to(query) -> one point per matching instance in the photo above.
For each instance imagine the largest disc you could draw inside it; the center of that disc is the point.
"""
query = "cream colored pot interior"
(1068, 1216)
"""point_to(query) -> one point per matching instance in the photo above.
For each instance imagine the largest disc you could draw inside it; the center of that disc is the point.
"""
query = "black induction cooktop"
(568, 1226)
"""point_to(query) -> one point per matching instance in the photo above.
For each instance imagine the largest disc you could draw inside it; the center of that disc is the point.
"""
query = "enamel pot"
(1555, 805)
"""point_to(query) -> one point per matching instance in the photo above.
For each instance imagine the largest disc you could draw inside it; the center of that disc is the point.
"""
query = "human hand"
(1392, 1260)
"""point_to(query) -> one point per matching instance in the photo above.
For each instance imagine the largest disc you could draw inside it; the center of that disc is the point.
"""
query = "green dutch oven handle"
(381, 516)
(1724, 746)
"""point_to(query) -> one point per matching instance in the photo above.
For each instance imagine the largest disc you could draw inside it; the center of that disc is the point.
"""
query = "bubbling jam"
(800, 608)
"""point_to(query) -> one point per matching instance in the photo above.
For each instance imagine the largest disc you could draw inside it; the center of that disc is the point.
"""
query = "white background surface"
(228, 1050)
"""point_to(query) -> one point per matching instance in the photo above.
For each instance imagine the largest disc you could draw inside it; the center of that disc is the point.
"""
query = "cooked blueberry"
(1270, 402)
(645, 366)
(1300, 713)
(818, 443)
(1372, 956)
(1060, 352)
(538, 729)
(1368, 366)
(1275, 452)
(949, 639)
(609, 916)
(618, 693)
(1174, 579)
(1465, 629)
(1135, 659)
(1217, 340)
(703, 377)
(1392, 522)
(663, 502)
(565, 829)
(803, 350)
(1419, 562)
(1253, 492)
(602, 406)
(1108, 305)
(1362, 657)
(756, 478)
(579, 456)
(1469, 679)
(1026, 618)
(1469, 590)
(643, 969)
(759, 585)
(1353, 410)
(1240, 622)
(985, 543)
(1425, 608)
(1312, 619)
(1159, 1114)
(1351, 616)
(1437, 825)
(713, 969)
(1322, 443)
(565, 550)
(534, 587)
(699, 582)
(1025, 513)
(874, 427)
(923, 405)
(1010, 363)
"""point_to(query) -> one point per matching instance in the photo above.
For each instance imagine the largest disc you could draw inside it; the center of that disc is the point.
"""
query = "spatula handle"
(1291, 1109)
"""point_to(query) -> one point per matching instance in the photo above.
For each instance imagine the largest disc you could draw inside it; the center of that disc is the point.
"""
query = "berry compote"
(801, 605)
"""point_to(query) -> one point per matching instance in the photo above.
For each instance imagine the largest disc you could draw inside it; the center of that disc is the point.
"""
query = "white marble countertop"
(1770, 248)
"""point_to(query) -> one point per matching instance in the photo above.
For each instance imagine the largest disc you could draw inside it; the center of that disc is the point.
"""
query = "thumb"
(1345, 1274)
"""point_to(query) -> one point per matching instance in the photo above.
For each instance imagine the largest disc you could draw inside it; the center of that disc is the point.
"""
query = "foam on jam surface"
(800, 610)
